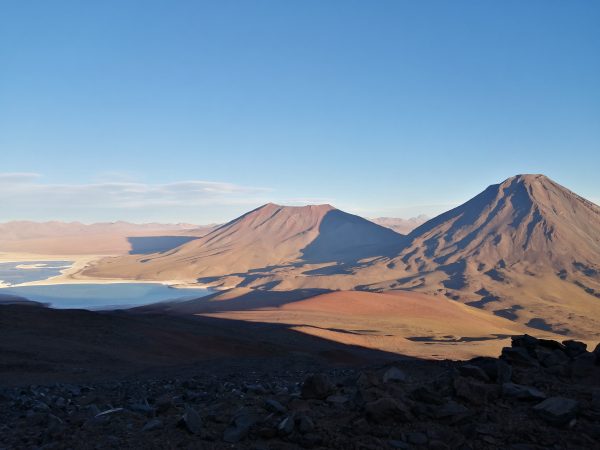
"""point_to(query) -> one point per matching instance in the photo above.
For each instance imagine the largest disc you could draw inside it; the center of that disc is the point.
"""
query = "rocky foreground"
(538, 394)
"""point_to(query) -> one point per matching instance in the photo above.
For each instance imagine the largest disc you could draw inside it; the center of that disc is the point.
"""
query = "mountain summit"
(269, 237)
(525, 248)
(526, 218)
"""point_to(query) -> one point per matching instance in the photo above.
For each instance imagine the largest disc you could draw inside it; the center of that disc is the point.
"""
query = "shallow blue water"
(11, 274)
(104, 296)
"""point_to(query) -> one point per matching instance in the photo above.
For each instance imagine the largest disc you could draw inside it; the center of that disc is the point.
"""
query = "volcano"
(526, 249)
(268, 238)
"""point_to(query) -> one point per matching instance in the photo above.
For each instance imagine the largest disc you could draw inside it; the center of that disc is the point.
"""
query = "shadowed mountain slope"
(525, 242)
(267, 238)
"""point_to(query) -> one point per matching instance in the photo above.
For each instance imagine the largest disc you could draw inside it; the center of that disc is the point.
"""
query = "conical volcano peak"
(527, 178)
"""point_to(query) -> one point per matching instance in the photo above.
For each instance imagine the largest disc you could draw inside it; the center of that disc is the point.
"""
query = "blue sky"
(198, 111)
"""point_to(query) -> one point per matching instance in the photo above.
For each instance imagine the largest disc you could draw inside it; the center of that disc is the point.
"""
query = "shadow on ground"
(41, 345)
(145, 245)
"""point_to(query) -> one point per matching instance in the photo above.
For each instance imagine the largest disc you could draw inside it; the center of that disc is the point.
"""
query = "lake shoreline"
(71, 275)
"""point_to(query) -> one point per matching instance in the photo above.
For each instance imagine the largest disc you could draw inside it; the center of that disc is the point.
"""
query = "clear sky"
(198, 111)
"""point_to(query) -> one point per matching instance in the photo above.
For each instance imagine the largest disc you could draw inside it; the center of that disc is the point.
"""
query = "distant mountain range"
(526, 249)
(77, 238)
(402, 226)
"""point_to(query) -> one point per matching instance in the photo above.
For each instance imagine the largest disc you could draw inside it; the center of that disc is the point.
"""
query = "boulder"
(550, 344)
(518, 356)
(520, 392)
(239, 427)
(450, 411)
(554, 358)
(387, 409)
(583, 365)
(153, 424)
(475, 392)
(275, 406)
(557, 410)
(304, 424)
(163, 403)
(525, 341)
(393, 374)
(317, 386)
(473, 371)
(504, 372)
(192, 420)
(416, 438)
(286, 426)
(487, 364)
(574, 348)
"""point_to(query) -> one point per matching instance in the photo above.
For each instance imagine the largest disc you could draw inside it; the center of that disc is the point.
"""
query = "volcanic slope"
(269, 239)
(527, 249)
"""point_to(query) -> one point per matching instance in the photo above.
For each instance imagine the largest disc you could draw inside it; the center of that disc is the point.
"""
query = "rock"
(240, 426)
(40, 406)
(438, 445)
(554, 358)
(417, 438)
(393, 374)
(426, 395)
(36, 418)
(550, 344)
(93, 410)
(504, 372)
(153, 424)
(597, 353)
(305, 424)
(495, 369)
(108, 412)
(475, 392)
(337, 399)
(55, 424)
(367, 379)
(274, 406)
(596, 400)
(317, 386)
(386, 409)
(583, 365)
(557, 410)
(143, 408)
(192, 420)
(521, 392)
(399, 444)
(470, 370)
(258, 389)
(164, 403)
(518, 356)
(286, 426)
(574, 348)
(450, 411)
(525, 341)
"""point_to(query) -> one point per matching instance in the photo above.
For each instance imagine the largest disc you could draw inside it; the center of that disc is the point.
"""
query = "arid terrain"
(526, 250)
(397, 334)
